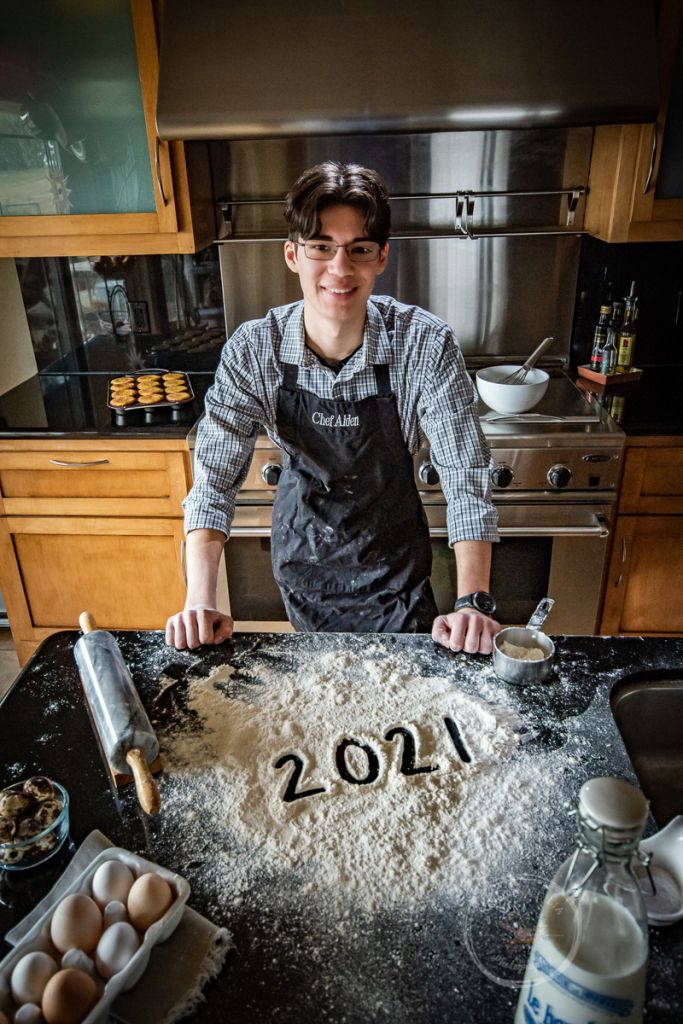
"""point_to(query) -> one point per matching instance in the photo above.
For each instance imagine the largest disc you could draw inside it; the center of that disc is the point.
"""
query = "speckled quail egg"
(13, 803)
(47, 811)
(8, 828)
(39, 788)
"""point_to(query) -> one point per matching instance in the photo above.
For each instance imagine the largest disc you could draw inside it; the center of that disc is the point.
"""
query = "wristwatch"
(480, 600)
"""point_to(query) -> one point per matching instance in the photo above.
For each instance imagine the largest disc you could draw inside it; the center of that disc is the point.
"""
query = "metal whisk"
(519, 375)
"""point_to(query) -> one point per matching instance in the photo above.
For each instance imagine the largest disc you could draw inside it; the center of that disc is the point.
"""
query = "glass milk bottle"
(587, 962)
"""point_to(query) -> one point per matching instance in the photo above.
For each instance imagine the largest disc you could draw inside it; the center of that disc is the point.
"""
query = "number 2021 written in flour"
(407, 766)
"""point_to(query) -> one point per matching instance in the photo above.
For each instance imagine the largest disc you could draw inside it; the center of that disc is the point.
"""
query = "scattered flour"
(388, 841)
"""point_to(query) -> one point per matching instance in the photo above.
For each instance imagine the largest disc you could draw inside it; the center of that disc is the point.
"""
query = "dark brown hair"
(332, 184)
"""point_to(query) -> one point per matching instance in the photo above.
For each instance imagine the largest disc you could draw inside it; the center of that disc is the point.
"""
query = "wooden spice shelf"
(609, 378)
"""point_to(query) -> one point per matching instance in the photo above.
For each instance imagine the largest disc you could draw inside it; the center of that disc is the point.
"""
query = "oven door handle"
(249, 531)
(599, 529)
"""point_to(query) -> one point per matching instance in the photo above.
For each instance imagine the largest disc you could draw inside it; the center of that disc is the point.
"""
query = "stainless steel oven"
(486, 232)
(555, 482)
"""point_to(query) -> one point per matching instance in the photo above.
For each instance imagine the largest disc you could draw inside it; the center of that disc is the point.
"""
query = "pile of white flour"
(388, 841)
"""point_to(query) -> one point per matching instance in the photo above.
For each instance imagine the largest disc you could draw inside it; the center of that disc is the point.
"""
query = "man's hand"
(466, 630)
(198, 625)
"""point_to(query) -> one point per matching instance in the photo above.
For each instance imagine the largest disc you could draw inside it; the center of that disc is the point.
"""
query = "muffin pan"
(158, 390)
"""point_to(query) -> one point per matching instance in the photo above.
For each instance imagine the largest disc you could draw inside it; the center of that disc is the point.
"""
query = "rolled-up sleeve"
(226, 437)
(448, 415)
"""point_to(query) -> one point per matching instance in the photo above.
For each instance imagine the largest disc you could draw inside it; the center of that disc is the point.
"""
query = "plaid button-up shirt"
(435, 397)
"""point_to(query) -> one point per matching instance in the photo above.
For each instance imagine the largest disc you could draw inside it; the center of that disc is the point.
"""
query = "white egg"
(29, 1013)
(112, 881)
(114, 912)
(30, 976)
(80, 960)
(116, 947)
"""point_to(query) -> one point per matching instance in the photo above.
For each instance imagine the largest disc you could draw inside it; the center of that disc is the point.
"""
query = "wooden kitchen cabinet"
(90, 525)
(643, 594)
(162, 195)
(628, 161)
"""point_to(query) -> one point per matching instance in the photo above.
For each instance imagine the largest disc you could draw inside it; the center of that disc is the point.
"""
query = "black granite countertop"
(74, 405)
(650, 406)
(417, 966)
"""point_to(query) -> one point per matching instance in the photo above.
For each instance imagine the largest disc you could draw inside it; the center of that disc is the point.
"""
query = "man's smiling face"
(336, 290)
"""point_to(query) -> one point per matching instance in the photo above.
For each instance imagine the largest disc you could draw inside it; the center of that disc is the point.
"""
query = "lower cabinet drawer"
(91, 482)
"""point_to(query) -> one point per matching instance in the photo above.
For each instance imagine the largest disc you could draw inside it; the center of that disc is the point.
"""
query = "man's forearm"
(473, 563)
(203, 553)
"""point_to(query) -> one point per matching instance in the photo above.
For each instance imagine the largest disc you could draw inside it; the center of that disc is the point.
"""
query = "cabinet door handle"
(623, 561)
(653, 154)
(79, 465)
(183, 564)
(157, 164)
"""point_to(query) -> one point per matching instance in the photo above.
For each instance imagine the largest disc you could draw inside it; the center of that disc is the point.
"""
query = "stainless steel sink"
(648, 710)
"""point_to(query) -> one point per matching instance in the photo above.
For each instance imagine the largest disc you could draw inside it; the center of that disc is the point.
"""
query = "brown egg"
(76, 923)
(69, 997)
(148, 900)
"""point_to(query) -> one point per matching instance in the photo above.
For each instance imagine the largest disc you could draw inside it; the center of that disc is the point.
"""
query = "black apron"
(350, 541)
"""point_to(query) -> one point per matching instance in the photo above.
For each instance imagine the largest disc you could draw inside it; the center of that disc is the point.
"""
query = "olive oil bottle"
(627, 332)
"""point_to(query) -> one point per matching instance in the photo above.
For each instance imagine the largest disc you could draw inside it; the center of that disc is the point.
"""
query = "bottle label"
(575, 978)
(579, 993)
(625, 354)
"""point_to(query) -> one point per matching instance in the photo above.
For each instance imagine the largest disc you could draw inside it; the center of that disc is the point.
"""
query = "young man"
(347, 384)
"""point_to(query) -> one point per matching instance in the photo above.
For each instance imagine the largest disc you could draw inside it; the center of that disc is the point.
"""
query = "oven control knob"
(427, 474)
(271, 473)
(559, 476)
(501, 476)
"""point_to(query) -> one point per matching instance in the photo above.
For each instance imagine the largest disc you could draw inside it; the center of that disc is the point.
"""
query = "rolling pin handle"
(87, 622)
(145, 786)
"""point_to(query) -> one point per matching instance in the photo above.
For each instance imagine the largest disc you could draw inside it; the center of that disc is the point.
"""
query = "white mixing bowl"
(511, 398)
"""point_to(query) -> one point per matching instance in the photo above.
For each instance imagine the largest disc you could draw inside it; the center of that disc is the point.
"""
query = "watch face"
(484, 602)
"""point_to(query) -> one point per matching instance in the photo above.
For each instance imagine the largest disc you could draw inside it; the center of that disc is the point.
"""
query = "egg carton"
(38, 938)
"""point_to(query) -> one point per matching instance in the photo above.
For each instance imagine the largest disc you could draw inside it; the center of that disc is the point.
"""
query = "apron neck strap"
(382, 379)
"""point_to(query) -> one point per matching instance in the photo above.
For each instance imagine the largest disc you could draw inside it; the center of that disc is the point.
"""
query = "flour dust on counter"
(356, 775)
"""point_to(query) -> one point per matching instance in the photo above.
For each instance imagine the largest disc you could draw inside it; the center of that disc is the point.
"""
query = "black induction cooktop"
(75, 404)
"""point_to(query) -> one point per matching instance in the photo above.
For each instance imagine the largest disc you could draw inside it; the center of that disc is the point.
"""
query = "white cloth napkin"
(196, 951)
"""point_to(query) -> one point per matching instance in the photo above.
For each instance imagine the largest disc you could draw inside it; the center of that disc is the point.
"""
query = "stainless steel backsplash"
(501, 290)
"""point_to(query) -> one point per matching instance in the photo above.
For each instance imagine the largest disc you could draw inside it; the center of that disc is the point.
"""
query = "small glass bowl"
(20, 854)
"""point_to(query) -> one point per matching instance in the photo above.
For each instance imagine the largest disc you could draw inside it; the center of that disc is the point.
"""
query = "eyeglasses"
(358, 252)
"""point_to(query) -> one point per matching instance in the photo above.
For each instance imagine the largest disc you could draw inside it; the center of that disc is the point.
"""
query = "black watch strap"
(480, 601)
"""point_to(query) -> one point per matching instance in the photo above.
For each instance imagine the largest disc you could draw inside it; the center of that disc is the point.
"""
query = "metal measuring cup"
(514, 670)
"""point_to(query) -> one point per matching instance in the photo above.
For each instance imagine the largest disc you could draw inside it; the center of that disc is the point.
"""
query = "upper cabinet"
(82, 170)
(636, 176)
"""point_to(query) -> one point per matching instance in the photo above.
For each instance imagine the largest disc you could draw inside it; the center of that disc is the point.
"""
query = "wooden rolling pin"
(125, 731)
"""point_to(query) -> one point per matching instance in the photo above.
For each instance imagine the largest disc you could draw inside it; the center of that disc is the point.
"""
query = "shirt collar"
(376, 346)
(293, 348)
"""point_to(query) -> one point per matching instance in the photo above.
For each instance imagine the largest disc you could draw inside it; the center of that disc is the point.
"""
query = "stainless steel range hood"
(269, 69)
